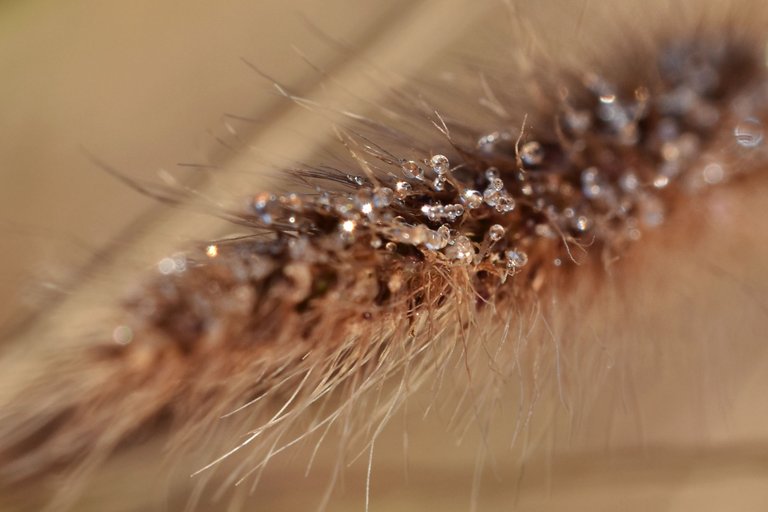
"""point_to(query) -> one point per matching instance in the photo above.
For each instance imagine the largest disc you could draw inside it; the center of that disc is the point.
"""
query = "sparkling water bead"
(490, 196)
(403, 189)
(516, 258)
(749, 133)
(412, 169)
(445, 233)
(460, 249)
(348, 226)
(505, 203)
(436, 240)
(496, 232)
(532, 153)
(431, 212)
(433, 241)
(472, 199)
(454, 211)
(581, 223)
(440, 164)
(364, 201)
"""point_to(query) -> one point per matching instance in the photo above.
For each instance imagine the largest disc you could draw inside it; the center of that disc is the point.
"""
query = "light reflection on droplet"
(516, 258)
(749, 133)
(496, 232)
(661, 181)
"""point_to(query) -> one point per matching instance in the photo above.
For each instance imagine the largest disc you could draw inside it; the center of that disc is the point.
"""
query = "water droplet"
(412, 169)
(661, 181)
(505, 203)
(454, 211)
(460, 249)
(212, 251)
(496, 232)
(472, 199)
(440, 164)
(433, 241)
(749, 133)
(403, 189)
(490, 196)
(382, 197)
(445, 233)
(357, 180)
(516, 258)
(436, 240)
(532, 153)
(581, 223)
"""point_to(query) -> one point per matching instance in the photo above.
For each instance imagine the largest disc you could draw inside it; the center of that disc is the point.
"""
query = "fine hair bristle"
(383, 272)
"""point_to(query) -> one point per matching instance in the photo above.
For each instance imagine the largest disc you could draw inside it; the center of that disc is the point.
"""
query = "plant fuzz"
(382, 275)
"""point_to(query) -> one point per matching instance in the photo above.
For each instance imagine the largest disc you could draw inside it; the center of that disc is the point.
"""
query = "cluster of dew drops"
(605, 174)
(404, 214)
(470, 215)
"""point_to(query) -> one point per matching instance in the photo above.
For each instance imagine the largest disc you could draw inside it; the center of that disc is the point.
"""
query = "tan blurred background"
(144, 85)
